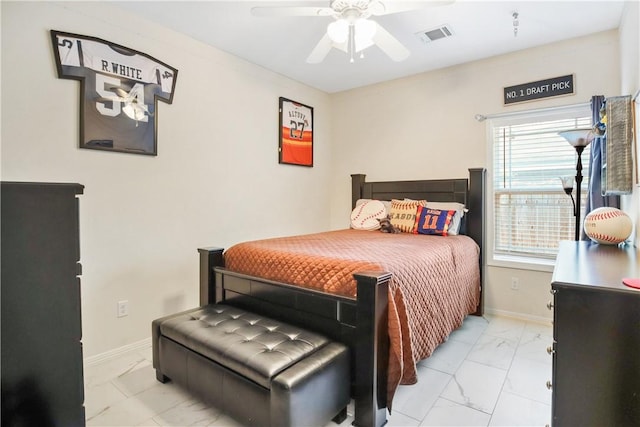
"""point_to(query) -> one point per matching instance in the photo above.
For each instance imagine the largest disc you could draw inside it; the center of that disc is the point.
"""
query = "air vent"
(434, 34)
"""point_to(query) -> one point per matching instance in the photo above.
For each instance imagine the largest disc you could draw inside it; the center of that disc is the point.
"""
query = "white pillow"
(365, 215)
(451, 206)
(386, 203)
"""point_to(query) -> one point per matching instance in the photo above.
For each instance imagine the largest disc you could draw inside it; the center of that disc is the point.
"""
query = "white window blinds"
(531, 211)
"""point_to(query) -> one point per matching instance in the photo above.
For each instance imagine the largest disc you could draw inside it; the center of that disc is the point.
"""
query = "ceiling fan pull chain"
(352, 42)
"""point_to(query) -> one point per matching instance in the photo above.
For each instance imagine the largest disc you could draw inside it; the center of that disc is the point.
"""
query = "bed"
(373, 317)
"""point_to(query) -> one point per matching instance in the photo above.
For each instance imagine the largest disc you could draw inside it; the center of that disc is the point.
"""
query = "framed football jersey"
(119, 92)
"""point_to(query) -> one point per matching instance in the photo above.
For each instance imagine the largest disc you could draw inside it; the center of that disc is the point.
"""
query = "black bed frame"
(359, 323)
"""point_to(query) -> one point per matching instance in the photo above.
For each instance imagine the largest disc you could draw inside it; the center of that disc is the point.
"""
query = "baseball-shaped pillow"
(609, 226)
(366, 216)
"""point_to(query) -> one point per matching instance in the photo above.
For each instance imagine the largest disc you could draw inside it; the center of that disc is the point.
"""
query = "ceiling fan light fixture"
(338, 31)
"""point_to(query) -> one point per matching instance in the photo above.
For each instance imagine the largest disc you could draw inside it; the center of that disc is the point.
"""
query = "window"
(531, 211)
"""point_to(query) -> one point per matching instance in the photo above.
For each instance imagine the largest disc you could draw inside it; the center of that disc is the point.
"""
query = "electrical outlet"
(123, 308)
(515, 283)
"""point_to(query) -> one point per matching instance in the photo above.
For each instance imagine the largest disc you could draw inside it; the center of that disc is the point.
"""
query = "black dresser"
(596, 330)
(42, 380)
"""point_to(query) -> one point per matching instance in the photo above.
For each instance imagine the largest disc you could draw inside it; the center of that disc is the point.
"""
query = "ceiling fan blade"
(378, 8)
(292, 11)
(389, 44)
(321, 50)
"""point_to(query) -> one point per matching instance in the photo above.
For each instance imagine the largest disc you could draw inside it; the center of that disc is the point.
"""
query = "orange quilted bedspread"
(435, 282)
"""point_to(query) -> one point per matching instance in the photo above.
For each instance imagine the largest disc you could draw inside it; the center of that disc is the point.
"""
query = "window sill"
(522, 263)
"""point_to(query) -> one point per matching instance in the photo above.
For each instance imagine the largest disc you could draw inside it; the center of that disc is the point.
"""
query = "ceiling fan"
(352, 31)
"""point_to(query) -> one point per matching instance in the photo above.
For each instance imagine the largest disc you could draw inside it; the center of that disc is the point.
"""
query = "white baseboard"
(520, 316)
(146, 343)
(116, 352)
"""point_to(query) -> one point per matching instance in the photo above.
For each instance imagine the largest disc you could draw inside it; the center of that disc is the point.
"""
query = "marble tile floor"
(492, 371)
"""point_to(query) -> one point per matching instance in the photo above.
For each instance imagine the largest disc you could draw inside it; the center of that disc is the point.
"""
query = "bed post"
(209, 258)
(372, 349)
(476, 221)
(357, 180)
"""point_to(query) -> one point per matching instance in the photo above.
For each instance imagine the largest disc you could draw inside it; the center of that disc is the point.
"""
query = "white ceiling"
(481, 29)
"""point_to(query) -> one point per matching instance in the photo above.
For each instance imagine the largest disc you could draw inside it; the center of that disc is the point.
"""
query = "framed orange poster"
(296, 133)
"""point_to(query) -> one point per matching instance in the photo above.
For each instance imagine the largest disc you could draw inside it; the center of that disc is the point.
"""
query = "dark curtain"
(595, 199)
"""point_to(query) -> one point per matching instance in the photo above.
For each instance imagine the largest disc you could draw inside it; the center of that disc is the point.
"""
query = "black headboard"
(468, 191)
(439, 190)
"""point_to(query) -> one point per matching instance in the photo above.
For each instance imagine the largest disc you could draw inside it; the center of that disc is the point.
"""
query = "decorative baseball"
(365, 216)
(608, 226)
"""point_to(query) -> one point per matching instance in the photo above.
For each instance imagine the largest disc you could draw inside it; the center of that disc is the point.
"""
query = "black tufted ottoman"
(260, 371)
